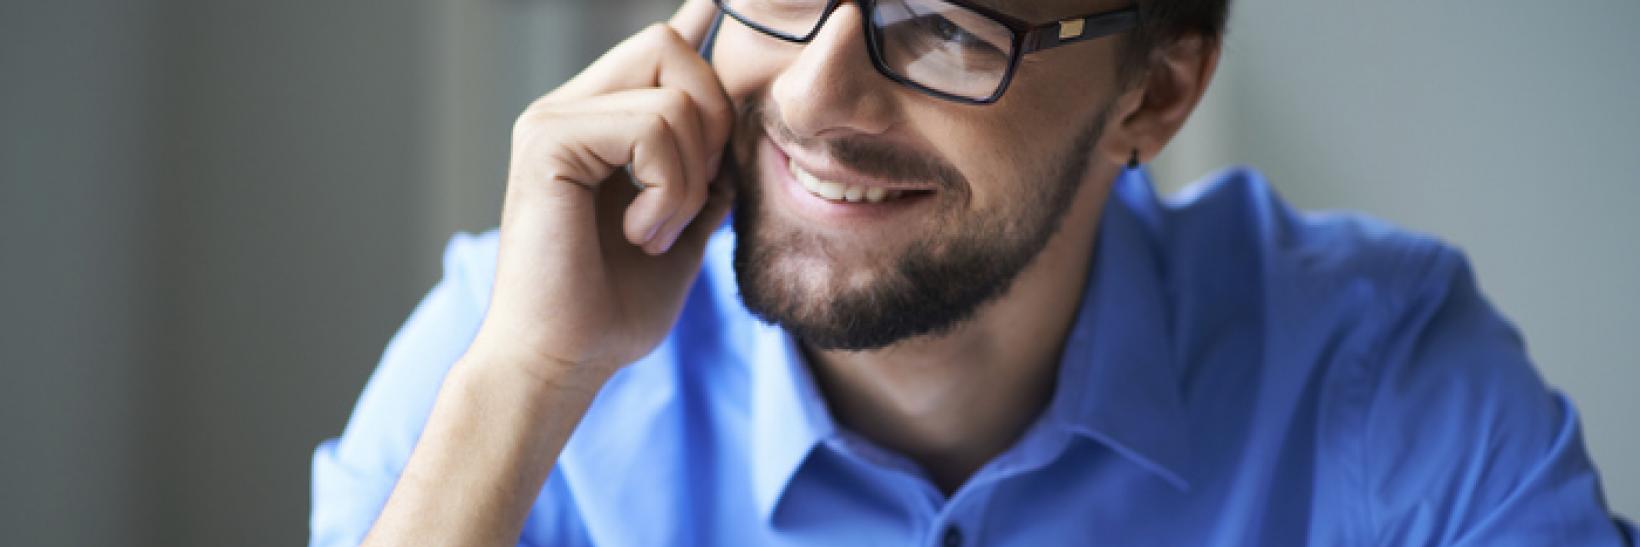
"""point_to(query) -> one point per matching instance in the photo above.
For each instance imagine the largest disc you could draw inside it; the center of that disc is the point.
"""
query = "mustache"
(865, 155)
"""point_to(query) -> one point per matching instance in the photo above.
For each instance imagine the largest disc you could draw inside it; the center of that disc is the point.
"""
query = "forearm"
(494, 434)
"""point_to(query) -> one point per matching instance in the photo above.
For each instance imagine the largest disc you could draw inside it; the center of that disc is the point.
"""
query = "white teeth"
(830, 190)
(855, 193)
(836, 191)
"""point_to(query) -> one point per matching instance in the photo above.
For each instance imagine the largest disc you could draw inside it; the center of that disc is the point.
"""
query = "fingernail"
(630, 175)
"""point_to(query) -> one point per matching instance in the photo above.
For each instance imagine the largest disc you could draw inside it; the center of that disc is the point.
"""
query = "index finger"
(693, 19)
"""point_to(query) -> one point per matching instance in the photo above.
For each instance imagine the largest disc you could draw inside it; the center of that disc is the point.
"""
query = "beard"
(809, 286)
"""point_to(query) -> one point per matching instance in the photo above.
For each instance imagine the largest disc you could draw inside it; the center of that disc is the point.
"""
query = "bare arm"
(591, 275)
(494, 434)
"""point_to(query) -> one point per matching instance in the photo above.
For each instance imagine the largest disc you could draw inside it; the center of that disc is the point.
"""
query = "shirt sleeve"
(1464, 444)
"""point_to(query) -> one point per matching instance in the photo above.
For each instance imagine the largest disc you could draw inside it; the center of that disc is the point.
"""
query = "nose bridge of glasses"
(833, 32)
(837, 48)
(859, 7)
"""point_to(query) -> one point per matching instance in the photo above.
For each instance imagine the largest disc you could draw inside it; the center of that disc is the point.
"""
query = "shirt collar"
(789, 416)
(1117, 379)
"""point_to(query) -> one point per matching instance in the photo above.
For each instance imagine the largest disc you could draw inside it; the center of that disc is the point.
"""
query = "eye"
(947, 31)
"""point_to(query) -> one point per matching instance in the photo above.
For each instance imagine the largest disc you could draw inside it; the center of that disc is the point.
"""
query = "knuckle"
(675, 97)
(660, 34)
(534, 116)
(527, 123)
(654, 126)
(674, 102)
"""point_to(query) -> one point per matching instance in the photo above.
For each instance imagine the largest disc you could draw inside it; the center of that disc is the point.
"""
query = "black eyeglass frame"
(1028, 37)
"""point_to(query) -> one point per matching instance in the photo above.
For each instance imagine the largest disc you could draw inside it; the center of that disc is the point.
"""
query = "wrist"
(493, 436)
(533, 371)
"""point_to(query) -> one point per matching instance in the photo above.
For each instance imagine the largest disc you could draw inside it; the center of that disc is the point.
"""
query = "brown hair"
(1162, 22)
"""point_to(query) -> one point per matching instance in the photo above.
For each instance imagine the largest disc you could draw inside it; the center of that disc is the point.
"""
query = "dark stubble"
(938, 282)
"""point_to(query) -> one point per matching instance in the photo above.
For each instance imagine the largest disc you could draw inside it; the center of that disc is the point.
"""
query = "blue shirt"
(1238, 374)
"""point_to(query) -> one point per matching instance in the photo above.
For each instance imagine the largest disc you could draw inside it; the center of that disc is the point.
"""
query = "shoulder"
(1340, 308)
(1238, 215)
(1340, 287)
(1395, 295)
(1235, 252)
(1433, 423)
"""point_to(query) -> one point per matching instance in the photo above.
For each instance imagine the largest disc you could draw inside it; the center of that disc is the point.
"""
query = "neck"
(955, 401)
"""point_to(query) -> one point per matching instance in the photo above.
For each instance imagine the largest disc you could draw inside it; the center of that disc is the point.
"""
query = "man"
(948, 311)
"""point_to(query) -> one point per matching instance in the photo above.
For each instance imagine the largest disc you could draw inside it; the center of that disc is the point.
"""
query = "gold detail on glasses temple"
(1070, 28)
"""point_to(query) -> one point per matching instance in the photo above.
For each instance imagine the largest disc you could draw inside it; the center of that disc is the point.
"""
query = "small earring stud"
(1133, 160)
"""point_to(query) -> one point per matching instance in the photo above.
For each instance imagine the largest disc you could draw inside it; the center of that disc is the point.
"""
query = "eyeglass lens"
(938, 45)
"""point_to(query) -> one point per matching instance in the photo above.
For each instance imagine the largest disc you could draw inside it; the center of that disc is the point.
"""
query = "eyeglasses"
(951, 49)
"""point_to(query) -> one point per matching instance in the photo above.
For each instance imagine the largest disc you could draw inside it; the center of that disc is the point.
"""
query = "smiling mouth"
(837, 192)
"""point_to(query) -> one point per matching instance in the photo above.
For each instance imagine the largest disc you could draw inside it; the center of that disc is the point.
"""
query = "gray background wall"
(213, 213)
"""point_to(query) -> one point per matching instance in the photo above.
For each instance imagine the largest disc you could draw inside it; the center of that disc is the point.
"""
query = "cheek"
(992, 159)
(1010, 150)
(1055, 93)
(746, 62)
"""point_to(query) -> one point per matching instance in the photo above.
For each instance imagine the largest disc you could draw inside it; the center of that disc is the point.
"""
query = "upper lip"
(827, 169)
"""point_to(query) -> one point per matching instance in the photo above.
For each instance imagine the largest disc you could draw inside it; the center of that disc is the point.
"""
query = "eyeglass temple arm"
(1076, 29)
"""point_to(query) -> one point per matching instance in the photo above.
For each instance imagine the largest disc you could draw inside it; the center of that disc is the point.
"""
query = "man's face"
(868, 212)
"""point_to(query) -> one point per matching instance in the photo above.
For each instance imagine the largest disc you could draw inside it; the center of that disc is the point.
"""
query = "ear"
(1150, 112)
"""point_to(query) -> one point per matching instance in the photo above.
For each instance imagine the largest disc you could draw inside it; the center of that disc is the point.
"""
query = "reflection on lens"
(942, 46)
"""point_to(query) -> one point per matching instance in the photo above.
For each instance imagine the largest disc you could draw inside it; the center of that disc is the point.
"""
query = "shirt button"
(953, 537)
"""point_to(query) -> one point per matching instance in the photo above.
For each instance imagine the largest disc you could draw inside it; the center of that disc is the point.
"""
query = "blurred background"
(214, 213)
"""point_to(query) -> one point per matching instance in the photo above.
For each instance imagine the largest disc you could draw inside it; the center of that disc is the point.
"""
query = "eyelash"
(951, 31)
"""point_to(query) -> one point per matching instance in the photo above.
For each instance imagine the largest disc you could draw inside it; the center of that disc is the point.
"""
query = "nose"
(831, 89)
